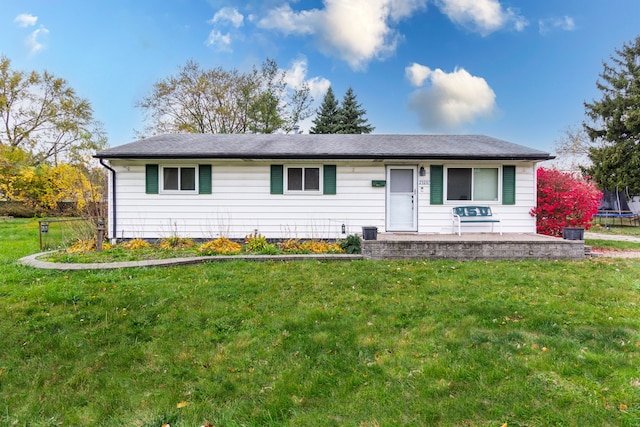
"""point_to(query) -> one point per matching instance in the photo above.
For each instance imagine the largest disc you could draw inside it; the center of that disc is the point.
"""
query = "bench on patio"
(474, 215)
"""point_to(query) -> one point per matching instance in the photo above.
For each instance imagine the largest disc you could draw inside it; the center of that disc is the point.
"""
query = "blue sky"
(518, 70)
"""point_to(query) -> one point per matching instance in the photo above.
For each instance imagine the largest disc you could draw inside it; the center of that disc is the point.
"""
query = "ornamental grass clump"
(291, 246)
(220, 246)
(172, 243)
(257, 243)
(82, 246)
(136, 244)
(319, 247)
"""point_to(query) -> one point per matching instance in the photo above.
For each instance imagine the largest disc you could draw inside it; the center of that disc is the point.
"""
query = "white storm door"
(401, 198)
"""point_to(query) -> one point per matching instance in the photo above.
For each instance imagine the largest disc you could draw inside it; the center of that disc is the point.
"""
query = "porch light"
(423, 172)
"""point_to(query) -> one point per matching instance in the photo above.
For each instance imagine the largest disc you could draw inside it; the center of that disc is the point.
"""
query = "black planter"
(573, 233)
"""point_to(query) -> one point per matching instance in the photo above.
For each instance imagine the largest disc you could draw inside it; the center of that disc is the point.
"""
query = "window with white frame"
(179, 178)
(474, 184)
(303, 179)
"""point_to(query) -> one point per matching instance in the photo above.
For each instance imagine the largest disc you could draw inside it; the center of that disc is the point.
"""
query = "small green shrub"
(255, 243)
(351, 245)
(270, 249)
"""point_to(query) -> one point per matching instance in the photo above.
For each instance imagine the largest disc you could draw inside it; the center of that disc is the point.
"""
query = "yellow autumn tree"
(12, 161)
(47, 187)
(65, 184)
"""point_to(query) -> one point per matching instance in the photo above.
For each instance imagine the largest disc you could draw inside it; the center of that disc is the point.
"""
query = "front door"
(401, 198)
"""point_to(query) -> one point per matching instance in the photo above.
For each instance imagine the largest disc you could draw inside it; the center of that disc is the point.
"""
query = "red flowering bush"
(564, 200)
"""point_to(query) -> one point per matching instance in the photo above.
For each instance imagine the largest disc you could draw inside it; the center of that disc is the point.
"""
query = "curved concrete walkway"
(33, 261)
(602, 236)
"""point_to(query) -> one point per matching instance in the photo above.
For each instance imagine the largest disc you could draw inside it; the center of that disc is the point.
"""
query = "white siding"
(241, 203)
(514, 218)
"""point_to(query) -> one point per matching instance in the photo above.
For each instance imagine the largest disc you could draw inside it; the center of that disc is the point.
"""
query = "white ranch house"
(206, 186)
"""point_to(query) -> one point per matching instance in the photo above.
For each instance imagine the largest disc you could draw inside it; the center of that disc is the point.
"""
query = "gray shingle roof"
(328, 146)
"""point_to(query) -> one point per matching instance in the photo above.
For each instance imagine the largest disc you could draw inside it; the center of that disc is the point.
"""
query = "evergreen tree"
(326, 120)
(614, 126)
(351, 115)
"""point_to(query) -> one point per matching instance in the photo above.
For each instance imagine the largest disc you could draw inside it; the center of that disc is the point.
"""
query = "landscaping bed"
(84, 251)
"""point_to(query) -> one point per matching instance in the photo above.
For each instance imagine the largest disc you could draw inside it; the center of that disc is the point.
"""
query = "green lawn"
(366, 343)
(612, 245)
(625, 230)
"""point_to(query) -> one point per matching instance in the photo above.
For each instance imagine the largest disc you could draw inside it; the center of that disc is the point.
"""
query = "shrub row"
(253, 243)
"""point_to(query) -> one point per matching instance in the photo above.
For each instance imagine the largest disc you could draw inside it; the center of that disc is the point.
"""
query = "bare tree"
(42, 115)
(217, 100)
(572, 149)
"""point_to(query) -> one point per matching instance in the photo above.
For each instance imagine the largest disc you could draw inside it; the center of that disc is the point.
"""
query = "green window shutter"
(151, 179)
(508, 185)
(437, 185)
(204, 179)
(277, 179)
(329, 179)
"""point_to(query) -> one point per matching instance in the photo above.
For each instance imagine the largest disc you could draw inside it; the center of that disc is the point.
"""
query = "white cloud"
(296, 76)
(417, 73)
(355, 31)
(228, 14)
(565, 23)
(288, 21)
(26, 20)
(224, 17)
(33, 41)
(451, 100)
(220, 42)
(482, 16)
(399, 9)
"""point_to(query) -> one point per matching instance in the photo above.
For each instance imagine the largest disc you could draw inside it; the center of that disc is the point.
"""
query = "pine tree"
(614, 128)
(326, 120)
(351, 115)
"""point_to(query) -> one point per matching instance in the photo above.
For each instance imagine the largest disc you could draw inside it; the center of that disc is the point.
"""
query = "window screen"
(294, 179)
(303, 179)
(459, 184)
(170, 179)
(479, 184)
(485, 184)
(312, 179)
(187, 179)
(178, 179)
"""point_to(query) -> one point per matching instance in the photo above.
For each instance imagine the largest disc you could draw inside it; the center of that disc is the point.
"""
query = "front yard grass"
(612, 245)
(623, 230)
(365, 343)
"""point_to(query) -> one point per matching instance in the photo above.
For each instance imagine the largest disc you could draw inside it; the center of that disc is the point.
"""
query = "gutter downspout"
(113, 195)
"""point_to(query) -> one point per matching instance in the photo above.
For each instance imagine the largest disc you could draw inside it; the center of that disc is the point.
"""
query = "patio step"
(588, 253)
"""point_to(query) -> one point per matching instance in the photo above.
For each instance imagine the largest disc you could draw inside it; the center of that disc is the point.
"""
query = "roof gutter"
(324, 156)
(113, 195)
